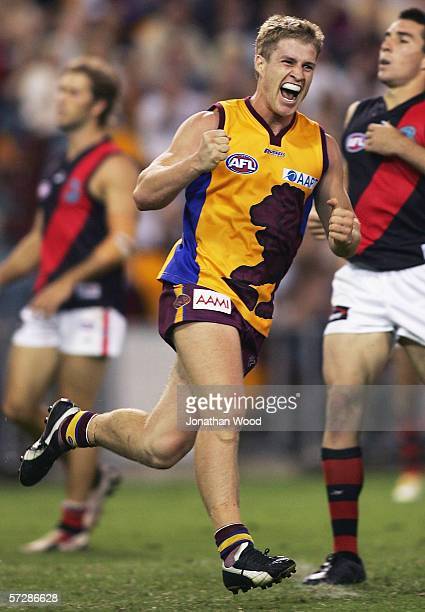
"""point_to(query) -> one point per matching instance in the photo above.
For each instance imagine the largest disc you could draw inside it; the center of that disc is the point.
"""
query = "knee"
(158, 461)
(343, 415)
(17, 412)
(164, 453)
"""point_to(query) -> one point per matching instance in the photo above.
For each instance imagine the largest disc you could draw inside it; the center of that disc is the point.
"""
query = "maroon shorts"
(189, 303)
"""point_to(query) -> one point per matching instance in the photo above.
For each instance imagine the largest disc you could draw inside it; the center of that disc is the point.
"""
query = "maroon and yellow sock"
(343, 471)
(230, 537)
(73, 431)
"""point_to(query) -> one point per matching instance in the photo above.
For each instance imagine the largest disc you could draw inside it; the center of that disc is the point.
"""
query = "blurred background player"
(379, 296)
(219, 283)
(82, 233)
(409, 485)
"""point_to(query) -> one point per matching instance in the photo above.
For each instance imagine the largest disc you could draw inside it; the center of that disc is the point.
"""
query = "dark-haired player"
(379, 296)
(73, 323)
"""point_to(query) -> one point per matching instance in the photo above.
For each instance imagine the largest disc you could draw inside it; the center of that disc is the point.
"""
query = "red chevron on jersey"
(378, 219)
(402, 180)
(386, 192)
(73, 208)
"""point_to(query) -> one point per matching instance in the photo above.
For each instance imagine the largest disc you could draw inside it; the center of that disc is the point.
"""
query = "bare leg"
(151, 439)
(154, 440)
(407, 368)
(349, 361)
(30, 372)
(219, 362)
(80, 378)
(416, 353)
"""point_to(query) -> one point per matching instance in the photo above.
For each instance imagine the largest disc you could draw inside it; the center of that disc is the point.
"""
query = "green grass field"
(154, 551)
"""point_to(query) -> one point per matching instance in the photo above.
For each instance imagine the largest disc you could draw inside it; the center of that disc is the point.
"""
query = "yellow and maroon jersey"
(244, 221)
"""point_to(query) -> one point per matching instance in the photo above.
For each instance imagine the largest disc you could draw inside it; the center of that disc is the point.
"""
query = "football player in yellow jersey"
(217, 334)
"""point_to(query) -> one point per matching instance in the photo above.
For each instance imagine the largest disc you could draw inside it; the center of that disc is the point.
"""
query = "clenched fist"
(213, 149)
(344, 229)
(342, 224)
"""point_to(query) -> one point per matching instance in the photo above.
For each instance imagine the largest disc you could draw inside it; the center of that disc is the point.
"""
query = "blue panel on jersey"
(183, 266)
(307, 207)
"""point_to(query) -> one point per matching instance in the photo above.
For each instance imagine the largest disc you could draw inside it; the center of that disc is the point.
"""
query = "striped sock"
(230, 537)
(72, 517)
(343, 471)
(73, 431)
(411, 451)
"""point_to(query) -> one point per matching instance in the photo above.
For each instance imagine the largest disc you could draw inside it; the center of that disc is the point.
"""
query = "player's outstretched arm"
(334, 208)
(113, 184)
(198, 146)
(24, 257)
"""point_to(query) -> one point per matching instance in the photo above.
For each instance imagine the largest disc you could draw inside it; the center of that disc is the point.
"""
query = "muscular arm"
(334, 208)
(113, 184)
(197, 147)
(25, 256)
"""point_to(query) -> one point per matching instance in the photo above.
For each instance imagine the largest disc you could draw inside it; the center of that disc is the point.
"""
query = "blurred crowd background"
(175, 57)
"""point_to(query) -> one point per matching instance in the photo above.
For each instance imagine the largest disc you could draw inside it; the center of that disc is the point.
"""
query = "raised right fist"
(213, 149)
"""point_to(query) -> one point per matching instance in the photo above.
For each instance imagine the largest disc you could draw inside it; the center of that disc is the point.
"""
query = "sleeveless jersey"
(74, 223)
(387, 193)
(244, 221)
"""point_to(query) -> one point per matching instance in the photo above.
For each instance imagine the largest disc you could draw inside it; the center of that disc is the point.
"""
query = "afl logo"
(355, 142)
(242, 163)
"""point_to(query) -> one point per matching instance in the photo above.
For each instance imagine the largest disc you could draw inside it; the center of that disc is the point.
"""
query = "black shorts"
(176, 306)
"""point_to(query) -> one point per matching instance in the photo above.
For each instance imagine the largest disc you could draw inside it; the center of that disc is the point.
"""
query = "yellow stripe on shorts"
(178, 290)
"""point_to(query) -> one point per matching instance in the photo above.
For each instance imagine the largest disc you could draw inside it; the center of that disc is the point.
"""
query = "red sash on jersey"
(74, 206)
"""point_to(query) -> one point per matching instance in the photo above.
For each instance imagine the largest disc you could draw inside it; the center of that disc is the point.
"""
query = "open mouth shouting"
(290, 91)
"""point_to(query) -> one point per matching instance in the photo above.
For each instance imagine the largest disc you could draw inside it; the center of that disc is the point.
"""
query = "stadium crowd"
(176, 57)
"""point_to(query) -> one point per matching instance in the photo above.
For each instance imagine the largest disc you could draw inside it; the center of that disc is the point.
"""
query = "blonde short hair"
(283, 26)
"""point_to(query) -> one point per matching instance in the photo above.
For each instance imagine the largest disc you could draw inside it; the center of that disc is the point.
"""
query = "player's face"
(74, 101)
(285, 78)
(401, 57)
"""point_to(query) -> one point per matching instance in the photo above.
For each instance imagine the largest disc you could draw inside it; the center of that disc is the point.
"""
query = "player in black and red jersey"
(82, 233)
(379, 296)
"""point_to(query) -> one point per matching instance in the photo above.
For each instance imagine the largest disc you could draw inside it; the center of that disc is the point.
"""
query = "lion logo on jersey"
(280, 216)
